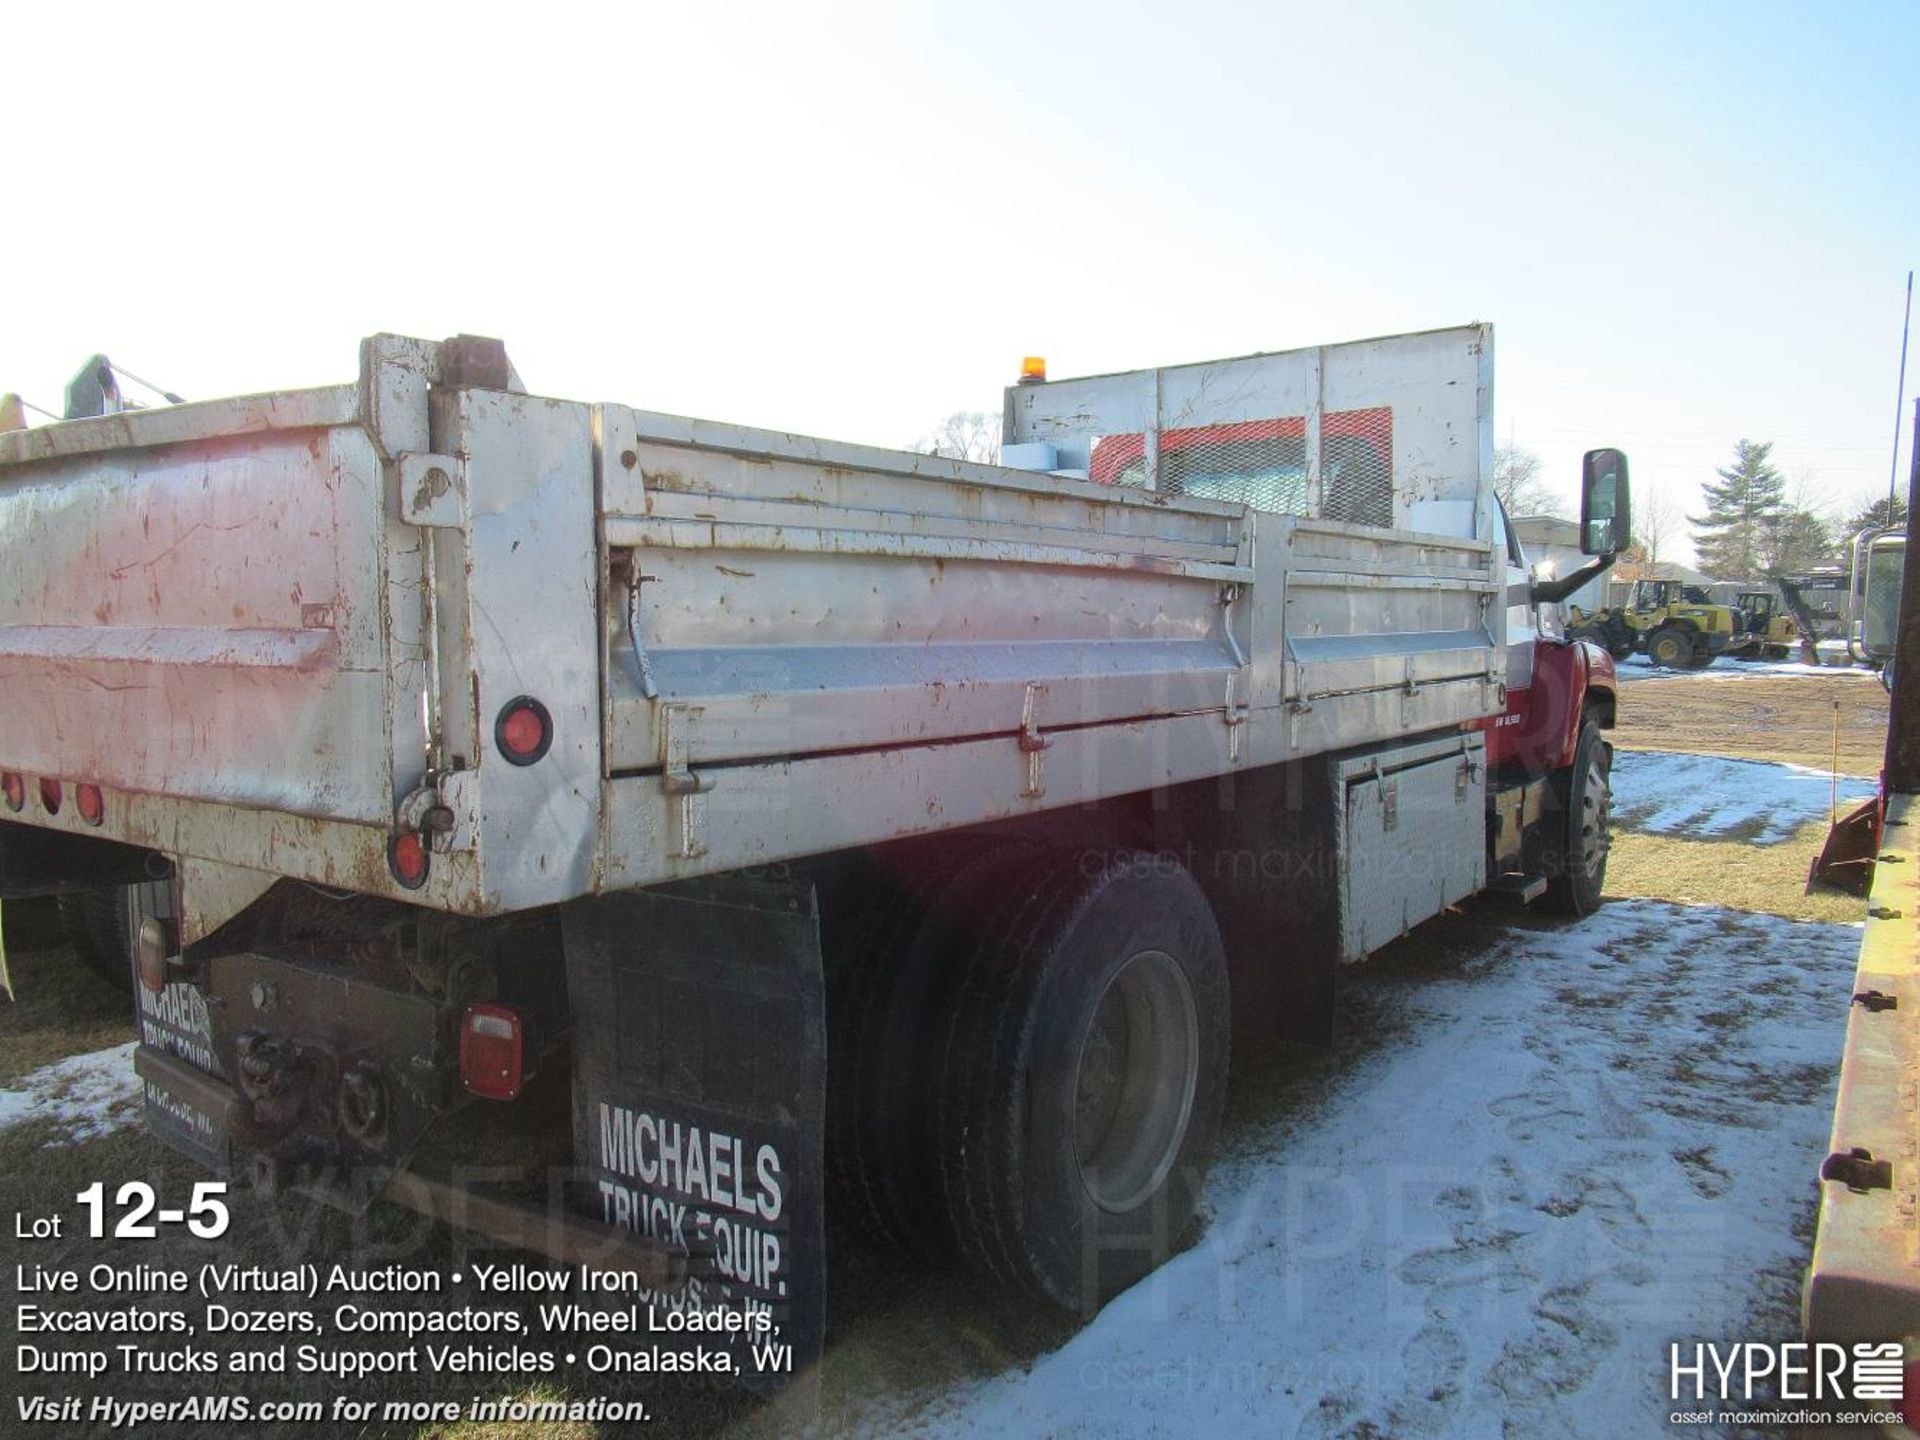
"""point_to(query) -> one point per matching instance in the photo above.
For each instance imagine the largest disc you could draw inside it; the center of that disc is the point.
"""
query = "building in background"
(1553, 542)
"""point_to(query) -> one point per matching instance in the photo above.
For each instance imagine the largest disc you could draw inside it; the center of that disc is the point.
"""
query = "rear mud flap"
(699, 1090)
(177, 1022)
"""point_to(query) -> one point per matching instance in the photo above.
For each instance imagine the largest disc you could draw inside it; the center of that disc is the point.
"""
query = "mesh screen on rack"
(1261, 463)
(1356, 466)
(1118, 460)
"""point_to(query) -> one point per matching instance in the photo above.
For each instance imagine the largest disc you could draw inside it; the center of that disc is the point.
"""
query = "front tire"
(1081, 1080)
(1575, 859)
(1669, 648)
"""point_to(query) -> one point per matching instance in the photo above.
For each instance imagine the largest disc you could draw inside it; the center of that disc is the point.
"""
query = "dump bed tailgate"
(201, 619)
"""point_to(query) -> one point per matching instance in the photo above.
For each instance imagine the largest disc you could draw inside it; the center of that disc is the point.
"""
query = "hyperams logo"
(1728, 1383)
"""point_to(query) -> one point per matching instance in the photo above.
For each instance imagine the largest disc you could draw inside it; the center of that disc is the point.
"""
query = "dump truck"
(804, 823)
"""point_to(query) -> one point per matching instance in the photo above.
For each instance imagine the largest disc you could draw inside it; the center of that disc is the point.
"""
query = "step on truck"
(804, 824)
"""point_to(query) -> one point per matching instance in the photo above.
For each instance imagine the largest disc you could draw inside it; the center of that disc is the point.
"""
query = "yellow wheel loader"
(1676, 626)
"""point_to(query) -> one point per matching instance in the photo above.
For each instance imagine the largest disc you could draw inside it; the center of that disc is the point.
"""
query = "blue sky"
(1688, 222)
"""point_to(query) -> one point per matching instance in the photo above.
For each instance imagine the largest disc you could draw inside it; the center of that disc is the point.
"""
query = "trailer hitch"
(275, 1079)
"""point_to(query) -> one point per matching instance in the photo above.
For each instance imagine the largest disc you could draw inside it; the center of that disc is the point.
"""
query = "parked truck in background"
(802, 822)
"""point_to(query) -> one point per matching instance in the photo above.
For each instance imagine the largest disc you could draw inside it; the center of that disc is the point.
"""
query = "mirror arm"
(1551, 592)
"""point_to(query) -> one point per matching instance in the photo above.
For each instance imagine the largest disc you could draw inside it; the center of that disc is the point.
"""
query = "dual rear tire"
(102, 925)
(1035, 1082)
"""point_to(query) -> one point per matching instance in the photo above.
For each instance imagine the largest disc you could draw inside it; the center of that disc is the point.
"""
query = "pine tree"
(1731, 538)
(1793, 541)
(1888, 512)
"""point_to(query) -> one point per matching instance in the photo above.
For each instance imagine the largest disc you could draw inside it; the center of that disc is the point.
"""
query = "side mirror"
(1605, 503)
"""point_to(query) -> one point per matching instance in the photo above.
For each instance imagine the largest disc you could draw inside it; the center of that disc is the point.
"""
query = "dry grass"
(1793, 718)
(1786, 719)
(1765, 879)
(61, 1008)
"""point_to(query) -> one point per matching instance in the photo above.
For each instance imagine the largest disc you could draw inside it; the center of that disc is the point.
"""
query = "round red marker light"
(50, 795)
(91, 803)
(524, 731)
(15, 790)
(407, 858)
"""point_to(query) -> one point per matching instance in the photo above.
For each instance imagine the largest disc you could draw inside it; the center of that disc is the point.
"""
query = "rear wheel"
(1575, 855)
(99, 932)
(103, 925)
(1702, 656)
(1669, 648)
(34, 924)
(1082, 1074)
(890, 966)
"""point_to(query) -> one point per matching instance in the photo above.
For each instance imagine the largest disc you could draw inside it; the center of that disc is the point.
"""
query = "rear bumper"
(563, 1237)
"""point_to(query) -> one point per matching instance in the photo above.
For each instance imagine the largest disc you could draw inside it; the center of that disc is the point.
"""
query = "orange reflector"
(50, 795)
(91, 804)
(150, 954)
(407, 858)
(15, 790)
(492, 1060)
(1033, 370)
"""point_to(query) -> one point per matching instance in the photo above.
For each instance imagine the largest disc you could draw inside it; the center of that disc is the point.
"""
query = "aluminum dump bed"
(281, 630)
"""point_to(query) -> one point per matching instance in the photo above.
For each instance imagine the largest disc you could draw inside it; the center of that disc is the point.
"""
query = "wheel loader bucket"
(1846, 861)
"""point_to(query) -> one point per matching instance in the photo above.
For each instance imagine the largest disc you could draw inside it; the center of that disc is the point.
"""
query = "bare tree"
(1518, 483)
(1654, 523)
(965, 435)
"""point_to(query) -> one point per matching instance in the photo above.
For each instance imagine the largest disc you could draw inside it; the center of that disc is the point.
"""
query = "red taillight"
(491, 1056)
(91, 804)
(15, 789)
(407, 858)
(50, 796)
(524, 731)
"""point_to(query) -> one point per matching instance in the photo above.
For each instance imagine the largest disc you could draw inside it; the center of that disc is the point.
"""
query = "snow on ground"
(1710, 797)
(83, 1095)
(1587, 1143)
(1639, 667)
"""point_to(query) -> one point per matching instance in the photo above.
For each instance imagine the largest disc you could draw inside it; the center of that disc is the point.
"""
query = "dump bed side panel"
(787, 597)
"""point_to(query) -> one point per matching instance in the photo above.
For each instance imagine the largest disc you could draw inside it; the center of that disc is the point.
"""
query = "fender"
(1541, 725)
